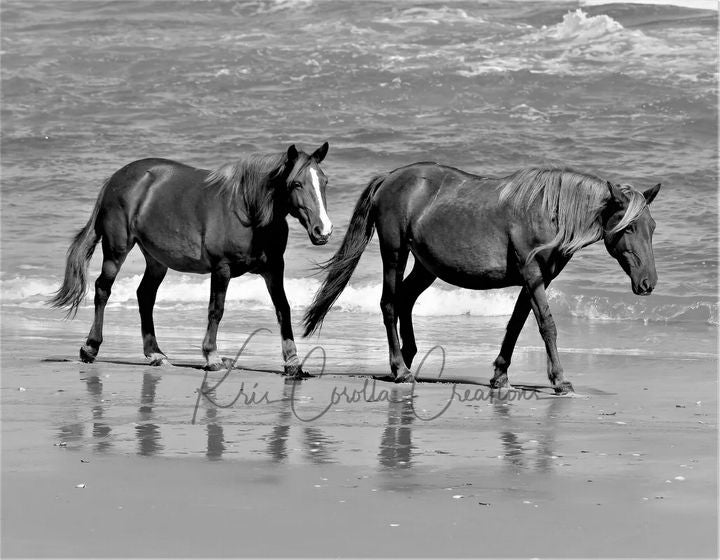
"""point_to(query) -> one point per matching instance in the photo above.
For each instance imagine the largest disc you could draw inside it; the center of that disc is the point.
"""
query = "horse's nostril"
(646, 287)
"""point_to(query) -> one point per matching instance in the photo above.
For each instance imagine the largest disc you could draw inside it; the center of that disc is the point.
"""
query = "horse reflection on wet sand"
(226, 222)
(528, 442)
(484, 233)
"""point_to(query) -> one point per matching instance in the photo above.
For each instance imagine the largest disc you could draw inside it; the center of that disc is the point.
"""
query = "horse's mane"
(574, 200)
(247, 185)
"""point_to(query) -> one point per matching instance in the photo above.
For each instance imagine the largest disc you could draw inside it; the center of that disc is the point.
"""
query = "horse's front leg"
(514, 326)
(546, 324)
(219, 280)
(274, 281)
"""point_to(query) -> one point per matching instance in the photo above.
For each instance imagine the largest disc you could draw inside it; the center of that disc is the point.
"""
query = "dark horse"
(226, 222)
(484, 233)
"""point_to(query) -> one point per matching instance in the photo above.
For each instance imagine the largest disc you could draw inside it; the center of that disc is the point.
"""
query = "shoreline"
(414, 473)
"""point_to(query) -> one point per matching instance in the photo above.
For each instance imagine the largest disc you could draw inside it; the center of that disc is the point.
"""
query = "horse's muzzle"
(643, 288)
(319, 239)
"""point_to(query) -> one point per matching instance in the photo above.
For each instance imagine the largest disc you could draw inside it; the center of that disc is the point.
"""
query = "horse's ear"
(292, 154)
(320, 153)
(651, 193)
(616, 194)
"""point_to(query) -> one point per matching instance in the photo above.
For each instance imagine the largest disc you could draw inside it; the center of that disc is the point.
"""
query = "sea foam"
(690, 4)
(189, 291)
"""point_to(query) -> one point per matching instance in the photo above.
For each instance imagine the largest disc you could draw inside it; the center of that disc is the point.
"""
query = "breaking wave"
(690, 4)
(189, 291)
(578, 45)
(579, 27)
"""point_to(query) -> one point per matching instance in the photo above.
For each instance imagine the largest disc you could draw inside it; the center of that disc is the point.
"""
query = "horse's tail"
(341, 266)
(74, 287)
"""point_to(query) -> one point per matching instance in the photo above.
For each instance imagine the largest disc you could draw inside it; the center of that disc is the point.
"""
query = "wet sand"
(628, 467)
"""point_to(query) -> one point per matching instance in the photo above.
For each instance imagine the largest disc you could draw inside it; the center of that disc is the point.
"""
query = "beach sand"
(627, 467)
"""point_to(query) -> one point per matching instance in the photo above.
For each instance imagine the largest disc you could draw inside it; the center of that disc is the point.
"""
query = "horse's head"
(305, 183)
(627, 231)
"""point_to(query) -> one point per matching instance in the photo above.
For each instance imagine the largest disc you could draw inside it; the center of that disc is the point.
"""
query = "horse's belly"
(466, 255)
(466, 273)
(177, 252)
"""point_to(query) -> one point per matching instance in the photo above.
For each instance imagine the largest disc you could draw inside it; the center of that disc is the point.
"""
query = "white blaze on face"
(326, 223)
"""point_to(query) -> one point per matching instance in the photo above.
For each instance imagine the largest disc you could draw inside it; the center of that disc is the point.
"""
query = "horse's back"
(434, 180)
(419, 191)
(142, 172)
(453, 221)
(164, 206)
(131, 188)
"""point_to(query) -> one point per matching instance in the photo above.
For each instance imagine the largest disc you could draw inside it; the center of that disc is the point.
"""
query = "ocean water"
(626, 91)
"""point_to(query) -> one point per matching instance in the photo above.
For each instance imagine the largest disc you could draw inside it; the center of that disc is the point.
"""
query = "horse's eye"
(630, 228)
(295, 185)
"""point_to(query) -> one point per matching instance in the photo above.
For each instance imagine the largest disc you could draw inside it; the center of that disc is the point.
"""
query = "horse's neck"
(281, 210)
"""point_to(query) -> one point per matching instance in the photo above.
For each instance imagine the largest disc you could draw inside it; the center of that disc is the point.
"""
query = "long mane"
(572, 199)
(247, 186)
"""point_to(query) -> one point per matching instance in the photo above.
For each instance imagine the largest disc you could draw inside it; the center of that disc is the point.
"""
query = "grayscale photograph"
(337, 279)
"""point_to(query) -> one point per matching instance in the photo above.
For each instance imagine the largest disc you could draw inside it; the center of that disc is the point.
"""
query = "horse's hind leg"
(419, 280)
(394, 257)
(147, 291)
(113, 258)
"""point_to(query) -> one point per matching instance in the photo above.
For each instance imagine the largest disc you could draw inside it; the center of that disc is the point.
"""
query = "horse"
(224, 222)
(483, 233)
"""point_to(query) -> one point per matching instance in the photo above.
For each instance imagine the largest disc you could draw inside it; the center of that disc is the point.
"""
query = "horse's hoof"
(215, 366)
(500, 381)
(564, 388)
(294, 371)
(158, 360)
(404, 377)
(88, 354)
